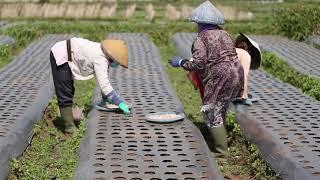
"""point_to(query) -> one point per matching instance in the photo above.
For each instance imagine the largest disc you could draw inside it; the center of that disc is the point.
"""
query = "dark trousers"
(63, 82)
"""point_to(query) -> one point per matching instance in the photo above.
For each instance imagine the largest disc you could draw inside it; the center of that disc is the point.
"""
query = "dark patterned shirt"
(215, 58)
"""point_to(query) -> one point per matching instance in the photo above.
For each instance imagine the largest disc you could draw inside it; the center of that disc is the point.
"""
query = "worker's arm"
(109, 94)
(198, 61)
(199, 56)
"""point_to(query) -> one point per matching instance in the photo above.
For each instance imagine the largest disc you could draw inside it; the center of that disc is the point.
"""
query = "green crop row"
(298, 22)
(280, 69)
(52, 156)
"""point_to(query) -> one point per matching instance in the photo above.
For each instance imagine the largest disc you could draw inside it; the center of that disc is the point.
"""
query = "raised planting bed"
(301, 56)
(116, 146)
(25, 89)
(284, 123)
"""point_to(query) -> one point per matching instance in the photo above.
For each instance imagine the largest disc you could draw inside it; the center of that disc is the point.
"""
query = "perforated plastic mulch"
(301, 56)
(25, 90)
(315, 40)
(6, 40)
(3, 23)
(127, 147)
(285, 123)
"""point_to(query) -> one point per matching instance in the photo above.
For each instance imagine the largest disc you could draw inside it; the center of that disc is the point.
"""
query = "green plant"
(251, 152)
(231, 125)
(50, 156)
(263, 171)
(297, 22)
(4, 54)
(277, 67)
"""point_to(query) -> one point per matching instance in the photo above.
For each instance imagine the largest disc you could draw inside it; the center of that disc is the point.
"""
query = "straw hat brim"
(116, 50)
(254, 49)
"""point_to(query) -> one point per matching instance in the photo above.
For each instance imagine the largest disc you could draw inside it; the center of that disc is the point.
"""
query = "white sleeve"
(101, 72)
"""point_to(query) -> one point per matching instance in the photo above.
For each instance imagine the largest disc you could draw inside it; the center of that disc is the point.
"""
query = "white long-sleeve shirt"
(88, 61)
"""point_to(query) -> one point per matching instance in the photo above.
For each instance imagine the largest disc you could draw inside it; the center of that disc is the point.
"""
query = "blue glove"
(124, 108)
(175, 61)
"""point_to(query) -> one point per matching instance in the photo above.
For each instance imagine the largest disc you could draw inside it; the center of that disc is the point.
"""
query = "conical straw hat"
(117, 50)
(206, 13)
(254, 49)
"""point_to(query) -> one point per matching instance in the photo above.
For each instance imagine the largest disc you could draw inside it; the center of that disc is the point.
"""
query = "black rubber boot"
(66, 115)
(220, 142)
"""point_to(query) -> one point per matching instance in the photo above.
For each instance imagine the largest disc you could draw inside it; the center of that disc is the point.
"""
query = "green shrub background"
(280, 69)
(297, 22)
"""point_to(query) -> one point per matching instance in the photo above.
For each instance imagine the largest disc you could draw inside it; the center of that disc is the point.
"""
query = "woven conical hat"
(254, 49)
(117, 50)
(206, 13)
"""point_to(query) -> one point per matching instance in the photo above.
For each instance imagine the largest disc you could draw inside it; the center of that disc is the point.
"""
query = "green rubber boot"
(220, 142)
(66, 115)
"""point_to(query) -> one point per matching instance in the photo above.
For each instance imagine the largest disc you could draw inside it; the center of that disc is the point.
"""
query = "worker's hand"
(124, 107)
(175, 61)
(77, 113)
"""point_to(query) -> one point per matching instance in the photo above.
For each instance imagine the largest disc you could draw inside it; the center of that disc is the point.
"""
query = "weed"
(50, 154)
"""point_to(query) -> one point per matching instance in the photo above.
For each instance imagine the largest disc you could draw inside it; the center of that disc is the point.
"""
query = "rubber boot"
(66, 115)
(220, 142)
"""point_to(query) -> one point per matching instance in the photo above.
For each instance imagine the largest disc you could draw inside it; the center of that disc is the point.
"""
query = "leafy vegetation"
(5, 53)
(280, 69)
(52, 156)
(246, 153)
(298, 22)
(158, 32)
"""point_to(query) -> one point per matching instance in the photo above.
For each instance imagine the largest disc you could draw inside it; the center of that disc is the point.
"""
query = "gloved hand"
(124, 107)
(111, 98)
(175, 61)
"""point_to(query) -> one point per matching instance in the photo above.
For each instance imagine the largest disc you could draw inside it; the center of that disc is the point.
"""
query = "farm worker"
(81, 59)
(249, 54)
(250, 57)
(214, 56)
